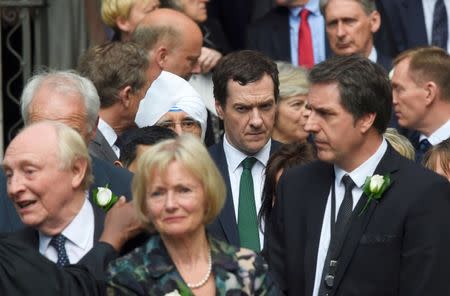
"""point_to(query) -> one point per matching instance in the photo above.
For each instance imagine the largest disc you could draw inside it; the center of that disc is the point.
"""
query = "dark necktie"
(424, 146)
(343, 217)
(305, 47)
(346, 208)
(58, 242)
(439, 35)
(119, 143)
(247, 221)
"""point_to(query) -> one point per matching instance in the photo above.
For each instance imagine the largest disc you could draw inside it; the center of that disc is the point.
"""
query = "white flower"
(173, 293)
(376, 182)
(104, 196)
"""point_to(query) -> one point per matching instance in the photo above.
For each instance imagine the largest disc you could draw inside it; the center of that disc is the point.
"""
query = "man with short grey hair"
(350, 27)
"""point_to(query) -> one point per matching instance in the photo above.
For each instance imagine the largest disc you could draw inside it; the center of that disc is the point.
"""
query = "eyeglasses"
(187, 125)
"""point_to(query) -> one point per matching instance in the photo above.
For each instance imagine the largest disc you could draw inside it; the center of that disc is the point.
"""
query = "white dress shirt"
(428, 10)
(109, 134)
(439, 135)
(79, 234)
(358, 176)
(234, 158)
(373, 56)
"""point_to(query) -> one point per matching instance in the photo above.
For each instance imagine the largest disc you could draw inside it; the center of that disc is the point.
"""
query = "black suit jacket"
(270, 35)
(118, 180)
(96, 260)
(23, 271)
(402, 26)
(224, 227)
(398, 246)
(100, 148)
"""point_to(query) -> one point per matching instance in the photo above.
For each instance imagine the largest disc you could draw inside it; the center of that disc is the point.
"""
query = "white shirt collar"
(79, 231)
(107, 131)
(235, 156)
(365, 170)
(373, 56)
(439, 135)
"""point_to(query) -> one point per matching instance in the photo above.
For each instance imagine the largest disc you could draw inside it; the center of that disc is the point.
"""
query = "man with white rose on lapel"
(362, 220)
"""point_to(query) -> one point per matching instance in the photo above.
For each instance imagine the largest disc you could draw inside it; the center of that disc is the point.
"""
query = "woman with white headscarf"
(173, 103)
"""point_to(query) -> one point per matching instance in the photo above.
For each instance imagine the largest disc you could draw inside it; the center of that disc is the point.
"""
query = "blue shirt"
(317, 25)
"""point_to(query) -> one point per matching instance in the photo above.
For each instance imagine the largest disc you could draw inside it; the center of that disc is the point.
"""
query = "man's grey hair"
(367, 5)
(62, 82)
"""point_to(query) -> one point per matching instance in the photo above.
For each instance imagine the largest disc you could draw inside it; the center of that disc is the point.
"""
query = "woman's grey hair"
(62, 82)
(293, 80)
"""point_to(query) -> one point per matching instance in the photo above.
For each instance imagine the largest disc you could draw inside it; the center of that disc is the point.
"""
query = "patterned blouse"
(149, 270)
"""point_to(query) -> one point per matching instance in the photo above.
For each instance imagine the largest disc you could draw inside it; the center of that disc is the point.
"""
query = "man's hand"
(121, 224)
(208, 59)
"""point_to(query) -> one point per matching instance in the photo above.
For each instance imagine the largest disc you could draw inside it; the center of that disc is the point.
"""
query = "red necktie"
(305, 48)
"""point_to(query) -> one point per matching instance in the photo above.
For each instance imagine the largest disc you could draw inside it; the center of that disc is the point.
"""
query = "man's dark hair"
(149, 135)
(113, 66)
(364, 87)
(245, 66)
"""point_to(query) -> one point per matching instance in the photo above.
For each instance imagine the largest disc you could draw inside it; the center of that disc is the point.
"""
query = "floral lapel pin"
(104, 197)
(374, 187)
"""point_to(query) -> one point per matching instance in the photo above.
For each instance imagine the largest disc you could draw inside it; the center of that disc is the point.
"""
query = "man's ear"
(431, 90)
(161, 56)
(375, 21)
(125, 96)
(79, 168)
(219, 109)
(366, 121)
(118, 164)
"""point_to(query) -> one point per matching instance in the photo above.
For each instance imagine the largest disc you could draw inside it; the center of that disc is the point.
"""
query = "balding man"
(173, 39)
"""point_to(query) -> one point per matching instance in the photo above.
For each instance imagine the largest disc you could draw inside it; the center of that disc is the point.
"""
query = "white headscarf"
(167, 91)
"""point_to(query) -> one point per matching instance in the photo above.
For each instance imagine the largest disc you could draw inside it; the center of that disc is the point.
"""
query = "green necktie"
(247, 221)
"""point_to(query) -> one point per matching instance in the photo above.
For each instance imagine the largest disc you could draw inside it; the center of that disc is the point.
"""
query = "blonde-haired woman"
(291, 116)
(177, 191)
(123, 16)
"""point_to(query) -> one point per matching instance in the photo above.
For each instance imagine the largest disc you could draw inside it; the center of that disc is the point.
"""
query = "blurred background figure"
(294, 32)
(438, 158)
(287, 156)
(177, 191)
(215, 45)
(290, 116)
(173, 40)
(173, 103)
(121, 73)
(400, 143)
(137, 141)
(124, 15)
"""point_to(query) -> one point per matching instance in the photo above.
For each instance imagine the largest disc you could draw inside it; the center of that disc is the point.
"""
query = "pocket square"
(368, 239)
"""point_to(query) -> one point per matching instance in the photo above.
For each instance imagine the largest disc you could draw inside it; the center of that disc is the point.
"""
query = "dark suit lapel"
(227, 216)
(387, 165)
(414, 21)
(101, 146)
(99, 220)
(319, 193)
(281, 30)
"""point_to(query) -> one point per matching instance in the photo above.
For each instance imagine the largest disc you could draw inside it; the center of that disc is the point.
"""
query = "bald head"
(173, 39)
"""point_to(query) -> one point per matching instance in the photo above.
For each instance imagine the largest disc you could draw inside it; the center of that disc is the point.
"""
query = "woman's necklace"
(203, 281)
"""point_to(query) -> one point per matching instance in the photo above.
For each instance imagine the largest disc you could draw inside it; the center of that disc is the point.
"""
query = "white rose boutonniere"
(374, 187)
(104, 197)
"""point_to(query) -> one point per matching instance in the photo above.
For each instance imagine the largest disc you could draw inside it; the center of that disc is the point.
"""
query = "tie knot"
(58, 241)
(424, 145)
(304, 14)
(348, 183)
(248, 163)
